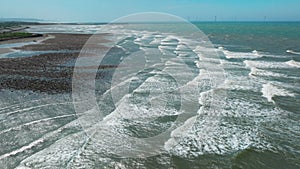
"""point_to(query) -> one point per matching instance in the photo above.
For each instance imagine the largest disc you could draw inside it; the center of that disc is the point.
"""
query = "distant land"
(21, 20)
(31, 21)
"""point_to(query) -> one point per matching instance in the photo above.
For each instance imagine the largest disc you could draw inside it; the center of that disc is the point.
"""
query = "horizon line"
(154, 22)
(43, 21)
(40, 21)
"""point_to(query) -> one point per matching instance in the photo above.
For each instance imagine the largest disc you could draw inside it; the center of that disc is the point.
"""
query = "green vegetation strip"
(15, 35)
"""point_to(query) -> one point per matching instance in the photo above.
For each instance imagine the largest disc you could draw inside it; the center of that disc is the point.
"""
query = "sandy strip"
(4, 50)
(24, 40)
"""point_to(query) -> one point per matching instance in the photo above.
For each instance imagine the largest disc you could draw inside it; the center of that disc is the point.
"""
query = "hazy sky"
(108, 10)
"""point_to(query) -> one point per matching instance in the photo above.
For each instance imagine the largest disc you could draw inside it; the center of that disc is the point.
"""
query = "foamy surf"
(293, 52)
(259, 72)
(22, 149)
(266, 65)
(228, 118)
(293, 63)
(240, 55)
(270, 90)
(213, 134)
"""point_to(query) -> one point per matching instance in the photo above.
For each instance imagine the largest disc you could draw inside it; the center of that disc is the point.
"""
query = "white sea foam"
(265, 65)
(22, 149)
(170, 41)
(140, 39)
(167, 50)
(182, 47)
(157, 86)
(203, 49)
(90, 29)
(270, 90)
(57, 154)
(170, 38)
(293, 63)
(210, 133)
(221, 48)
(34, 122)
(259, 72)
(156, 41)
(230, 65)
(242, 55)
(293, 52)
(172, 63)
(241, 83)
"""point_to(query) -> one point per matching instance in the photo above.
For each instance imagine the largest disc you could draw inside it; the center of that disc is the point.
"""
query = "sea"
(201, 95)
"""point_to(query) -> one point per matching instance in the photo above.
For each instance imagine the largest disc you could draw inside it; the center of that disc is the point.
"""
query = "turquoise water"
(242, 93)
(273, 37)
(276, 44)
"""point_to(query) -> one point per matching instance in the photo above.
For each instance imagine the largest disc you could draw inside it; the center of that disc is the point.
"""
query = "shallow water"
(13, 45)
(22, 54)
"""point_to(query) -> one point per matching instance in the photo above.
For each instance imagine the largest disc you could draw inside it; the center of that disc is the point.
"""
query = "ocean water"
(238, 87)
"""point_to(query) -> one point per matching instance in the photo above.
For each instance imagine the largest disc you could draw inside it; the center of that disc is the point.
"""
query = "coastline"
(37, 39)
(5, 50)
(24, 39)
(46, 72)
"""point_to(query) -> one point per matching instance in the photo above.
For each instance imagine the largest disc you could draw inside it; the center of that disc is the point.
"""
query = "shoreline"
(5, 50)
(46, 72)
(37, 39)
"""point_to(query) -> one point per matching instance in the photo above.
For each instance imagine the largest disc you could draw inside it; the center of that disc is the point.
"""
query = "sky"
(109, 10)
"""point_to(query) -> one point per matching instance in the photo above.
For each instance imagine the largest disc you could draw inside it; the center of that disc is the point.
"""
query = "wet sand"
(45, 72)
(4, 50)
(23, 40)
